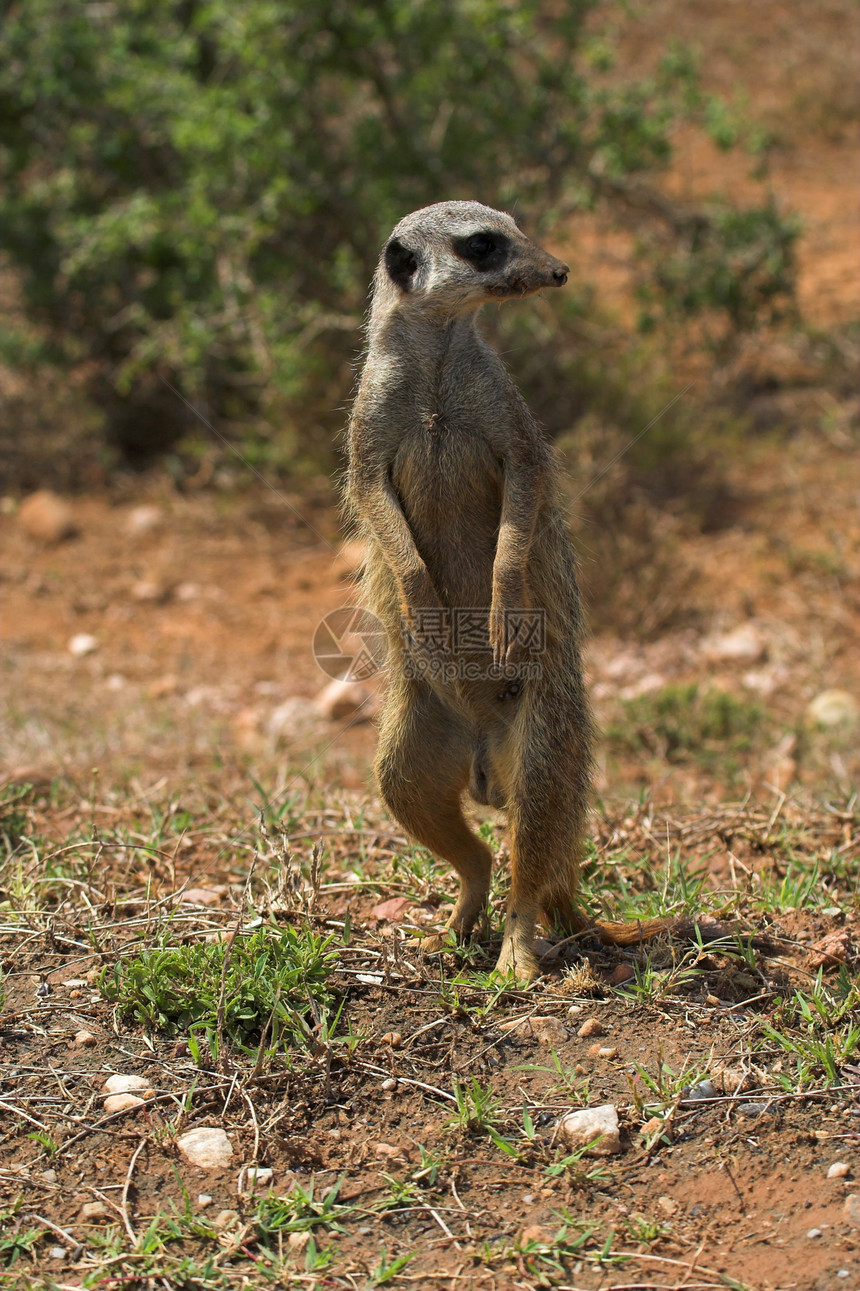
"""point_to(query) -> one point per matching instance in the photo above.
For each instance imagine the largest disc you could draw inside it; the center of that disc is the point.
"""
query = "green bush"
(196, 192)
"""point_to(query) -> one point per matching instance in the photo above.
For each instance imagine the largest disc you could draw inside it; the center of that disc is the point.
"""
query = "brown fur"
(452, 485)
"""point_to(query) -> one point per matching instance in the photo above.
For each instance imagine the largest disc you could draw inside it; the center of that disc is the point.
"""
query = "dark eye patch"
(486, 250)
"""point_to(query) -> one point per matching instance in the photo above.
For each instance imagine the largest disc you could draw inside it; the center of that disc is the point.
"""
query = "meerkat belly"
(450, 489)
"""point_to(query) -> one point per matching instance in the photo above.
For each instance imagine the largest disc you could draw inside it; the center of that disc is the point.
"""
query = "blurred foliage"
(197, 190)
(690, 723)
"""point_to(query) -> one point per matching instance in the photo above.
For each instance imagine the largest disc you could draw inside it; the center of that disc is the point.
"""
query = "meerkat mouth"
(516, 288)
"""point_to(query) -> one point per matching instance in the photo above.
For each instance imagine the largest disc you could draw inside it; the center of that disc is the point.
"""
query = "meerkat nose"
(560, 274)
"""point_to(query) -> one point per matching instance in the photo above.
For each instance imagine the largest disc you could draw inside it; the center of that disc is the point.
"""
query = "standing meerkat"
(471, 570)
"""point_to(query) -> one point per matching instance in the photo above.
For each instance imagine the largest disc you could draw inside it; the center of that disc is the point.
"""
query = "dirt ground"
(201, 612)
(158, 706)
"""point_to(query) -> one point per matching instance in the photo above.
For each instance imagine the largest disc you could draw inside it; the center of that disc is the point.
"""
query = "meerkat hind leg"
(546, 817)
(422, 768)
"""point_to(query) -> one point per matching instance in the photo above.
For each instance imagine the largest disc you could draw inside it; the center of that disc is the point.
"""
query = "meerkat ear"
(401, 263)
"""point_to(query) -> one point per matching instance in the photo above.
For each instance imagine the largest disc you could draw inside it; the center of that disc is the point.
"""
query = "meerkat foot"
(459, 928)
(433, 944)
(518, 962)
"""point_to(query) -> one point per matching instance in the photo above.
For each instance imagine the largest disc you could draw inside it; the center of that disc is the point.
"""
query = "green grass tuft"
(276, 976)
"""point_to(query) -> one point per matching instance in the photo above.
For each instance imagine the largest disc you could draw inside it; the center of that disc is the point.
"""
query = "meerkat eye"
(485, 251)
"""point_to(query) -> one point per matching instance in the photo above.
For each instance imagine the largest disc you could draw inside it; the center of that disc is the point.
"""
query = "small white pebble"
(120, 1084)
(57, 1252)
(529, 1198)
(204, 1200)
(839, 1170)
(122, 1102)
(389, 1084)
(813, 1232)
(82, 643)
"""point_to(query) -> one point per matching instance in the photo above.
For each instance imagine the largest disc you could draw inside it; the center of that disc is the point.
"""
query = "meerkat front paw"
(507, 645)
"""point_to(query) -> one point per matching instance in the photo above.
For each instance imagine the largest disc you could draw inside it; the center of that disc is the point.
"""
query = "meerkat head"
(453, 257)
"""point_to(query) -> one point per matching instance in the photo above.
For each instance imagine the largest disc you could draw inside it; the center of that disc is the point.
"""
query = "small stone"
(392, 1038)
(254, 1177)
(246, 728)
(207, 1147)
(656, 1125)
(839, 1170)
(832, 950)
(340, 699)
(49, 1176)
(122, 1102)
(203, 896)
(580, 1129)
(149, 590)
(142, 519)
(294, 718)
(704, 1089)
(751, 1110)
(298, 1241)
(743, 645)
(46, 517)
(57, 1252)
(644, 686)
(93, 1210)
(225, 1219)
(163, 686)
(621, 973)
(813, 1233)
(591, 1027)
(547, 1030)
(389, 1084)
(667, 1205)
(204, 1200)
(119, 1084)
(82, 643)
(851, 1208)
(85, 1040)
(833, 708)
(607, 1051)
(386, 1150)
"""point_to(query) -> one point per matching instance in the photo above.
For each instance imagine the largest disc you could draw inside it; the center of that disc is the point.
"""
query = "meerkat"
(471, 570)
